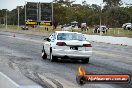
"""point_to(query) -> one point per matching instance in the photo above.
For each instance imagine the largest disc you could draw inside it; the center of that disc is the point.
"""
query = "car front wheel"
(44, 55)
(85, 60)
(52, 58)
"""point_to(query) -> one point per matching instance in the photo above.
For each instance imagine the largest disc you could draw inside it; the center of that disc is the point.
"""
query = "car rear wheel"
(85, 60)
(44, 55)
(128, 28)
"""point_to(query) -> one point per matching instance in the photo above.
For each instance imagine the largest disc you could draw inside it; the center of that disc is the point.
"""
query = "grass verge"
(119, 32)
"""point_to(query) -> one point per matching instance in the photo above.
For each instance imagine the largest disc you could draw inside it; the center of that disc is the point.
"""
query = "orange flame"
(81, 71)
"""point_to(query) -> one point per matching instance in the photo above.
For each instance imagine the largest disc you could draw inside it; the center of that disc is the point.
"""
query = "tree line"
(111, 14)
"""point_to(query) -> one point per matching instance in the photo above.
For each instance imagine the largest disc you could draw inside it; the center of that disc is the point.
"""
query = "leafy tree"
(96, 8)
(2, 15)
(65, 12)
(117, 16)
(113, 3)
(84, 2)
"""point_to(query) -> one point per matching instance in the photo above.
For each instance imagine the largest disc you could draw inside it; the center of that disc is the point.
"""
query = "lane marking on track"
(10, 81)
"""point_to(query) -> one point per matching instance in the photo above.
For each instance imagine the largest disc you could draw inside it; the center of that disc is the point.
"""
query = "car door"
(53, 40)
(49, 44)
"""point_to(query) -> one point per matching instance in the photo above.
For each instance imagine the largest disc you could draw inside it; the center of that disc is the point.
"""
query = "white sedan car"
(67, 45)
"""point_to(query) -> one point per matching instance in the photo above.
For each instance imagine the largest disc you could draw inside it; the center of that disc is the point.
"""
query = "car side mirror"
(47, 39)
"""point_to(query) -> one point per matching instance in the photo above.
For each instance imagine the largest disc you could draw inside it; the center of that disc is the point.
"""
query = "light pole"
(101, 18)
(52, 16)
(6, 19)
(37, 13)
(25, 13)
(39, 16)
(18, 16)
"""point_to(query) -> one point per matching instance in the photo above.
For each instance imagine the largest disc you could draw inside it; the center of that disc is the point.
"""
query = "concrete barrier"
(110, 39)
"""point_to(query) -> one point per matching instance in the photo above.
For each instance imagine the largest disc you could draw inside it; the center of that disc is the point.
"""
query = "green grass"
(50, 29)
(2, 26)
(119, 32)
(111, 32)
(13, 27)
(9, 27)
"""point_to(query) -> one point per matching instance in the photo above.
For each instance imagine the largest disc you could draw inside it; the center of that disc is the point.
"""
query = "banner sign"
(46, 23)
(31, 23)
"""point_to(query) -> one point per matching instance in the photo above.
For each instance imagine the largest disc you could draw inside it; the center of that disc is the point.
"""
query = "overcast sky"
(11, 4)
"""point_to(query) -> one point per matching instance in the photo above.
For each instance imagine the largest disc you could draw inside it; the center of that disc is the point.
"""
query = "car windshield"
(70, 36)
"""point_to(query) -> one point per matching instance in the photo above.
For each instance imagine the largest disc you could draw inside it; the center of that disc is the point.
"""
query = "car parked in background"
(24, 27)
(127, 26)
(99, 28)
(66, 27)
(67, 45)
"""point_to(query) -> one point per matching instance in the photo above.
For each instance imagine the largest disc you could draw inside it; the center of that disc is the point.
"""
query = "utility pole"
(25, 14)
(6, 19)
(39, 12)
(101, 18)
(18, 17)
(52, 16)
(100, 21)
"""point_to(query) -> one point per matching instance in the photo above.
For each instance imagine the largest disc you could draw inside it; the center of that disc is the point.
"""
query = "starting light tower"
(40, 13)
